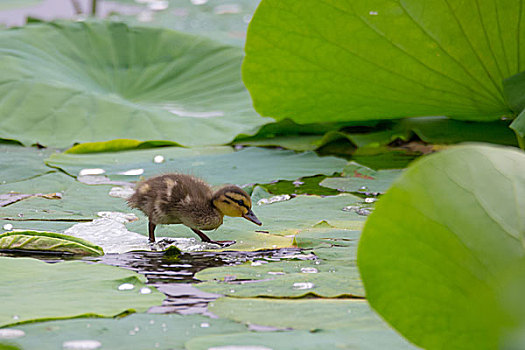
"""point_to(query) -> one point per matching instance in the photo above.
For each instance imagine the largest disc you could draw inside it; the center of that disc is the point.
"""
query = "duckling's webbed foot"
(207, 239)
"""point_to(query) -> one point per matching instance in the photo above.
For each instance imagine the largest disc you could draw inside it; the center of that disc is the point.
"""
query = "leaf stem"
(93, 8)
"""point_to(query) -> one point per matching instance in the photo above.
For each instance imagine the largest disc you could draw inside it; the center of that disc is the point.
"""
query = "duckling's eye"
(240, 202)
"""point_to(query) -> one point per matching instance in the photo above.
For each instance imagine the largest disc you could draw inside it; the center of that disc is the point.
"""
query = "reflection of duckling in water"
(184, 199)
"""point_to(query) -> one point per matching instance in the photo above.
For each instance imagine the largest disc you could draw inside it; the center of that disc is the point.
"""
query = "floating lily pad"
(365, 60)
(358, 178)
(137, 331)
(316, 314)
(445, 242)
(360, 338)
(328, 278)
(48, 242)
(32, 290)
(326, 237)
(24, 163)
(218, 165)
(79, 202)
(74, 82)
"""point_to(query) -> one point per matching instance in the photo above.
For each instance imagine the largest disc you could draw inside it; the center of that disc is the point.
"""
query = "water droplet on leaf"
(303, 285)
(158, 159)
(81, 345)
(309, 270)
(126, 286)
(94, 171)
(9, 333)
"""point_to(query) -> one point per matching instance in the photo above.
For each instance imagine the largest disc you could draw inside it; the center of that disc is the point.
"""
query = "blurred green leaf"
(443, 242)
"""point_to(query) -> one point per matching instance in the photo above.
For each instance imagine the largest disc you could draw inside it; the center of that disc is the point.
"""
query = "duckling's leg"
(208, 240)
(151, 230)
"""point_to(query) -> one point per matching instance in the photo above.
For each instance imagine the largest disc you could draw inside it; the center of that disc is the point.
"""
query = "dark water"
(175, 277)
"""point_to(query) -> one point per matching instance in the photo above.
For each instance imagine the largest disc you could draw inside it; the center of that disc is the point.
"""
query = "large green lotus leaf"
(360, 178)
(221, 20)
(21, 163)
(379, 59)
(441, 244)
(137, 331)
(33, 290)
(218, 165)
(47, 241)
(327, 278)
(69, 82)
(349, 339)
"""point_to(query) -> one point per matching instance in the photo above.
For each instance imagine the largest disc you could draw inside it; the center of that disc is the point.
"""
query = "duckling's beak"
(251, 216)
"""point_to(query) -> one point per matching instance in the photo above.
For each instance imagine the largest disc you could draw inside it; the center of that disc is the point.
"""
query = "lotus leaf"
(116, 146)
(21, 163)
(47, 241)
(221, 20)
(358, 178)
(33, 290)
(379, 59)
(69, 82)
(444, 243)
(364, 60)
(137, 331)
(326, 237)
(328, 278)
(217, 165)
(79, 202)
(363, 339)
(315, 314)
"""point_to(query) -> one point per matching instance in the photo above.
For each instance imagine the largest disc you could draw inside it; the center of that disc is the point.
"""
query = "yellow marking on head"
(233, 204)
(143, 188)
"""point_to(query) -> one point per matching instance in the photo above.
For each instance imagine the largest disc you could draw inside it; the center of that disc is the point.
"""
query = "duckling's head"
(234, 201)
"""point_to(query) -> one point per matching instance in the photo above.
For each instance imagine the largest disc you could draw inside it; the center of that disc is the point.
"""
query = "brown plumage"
(184, 199)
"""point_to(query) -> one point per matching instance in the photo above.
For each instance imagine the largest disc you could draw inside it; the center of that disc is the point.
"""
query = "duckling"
(184, 199)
